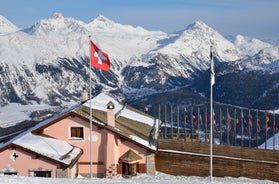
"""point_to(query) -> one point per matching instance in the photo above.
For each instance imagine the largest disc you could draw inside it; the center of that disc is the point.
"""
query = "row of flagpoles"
(230, 122)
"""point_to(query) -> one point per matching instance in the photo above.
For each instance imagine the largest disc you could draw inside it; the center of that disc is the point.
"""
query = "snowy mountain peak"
(6, 26)
(102, 18)
(201, 27)
(198, 25)
(57, 16)
(250, 46)
(57, 24)
(47, 63)
(195, 41)
(102, 22)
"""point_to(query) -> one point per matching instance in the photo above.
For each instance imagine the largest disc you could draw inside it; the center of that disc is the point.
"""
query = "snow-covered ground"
(14, 113)
(160, 178)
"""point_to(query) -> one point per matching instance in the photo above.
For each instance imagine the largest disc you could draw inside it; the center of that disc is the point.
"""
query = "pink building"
(123, 142)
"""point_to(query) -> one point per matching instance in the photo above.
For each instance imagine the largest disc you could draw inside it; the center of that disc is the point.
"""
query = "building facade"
(120, 138)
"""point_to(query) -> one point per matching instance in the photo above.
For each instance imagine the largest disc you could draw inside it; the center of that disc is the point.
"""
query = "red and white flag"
(98, 58)
(250, 121)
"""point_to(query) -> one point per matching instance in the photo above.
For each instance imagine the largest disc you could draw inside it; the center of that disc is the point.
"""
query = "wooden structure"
(192, 159)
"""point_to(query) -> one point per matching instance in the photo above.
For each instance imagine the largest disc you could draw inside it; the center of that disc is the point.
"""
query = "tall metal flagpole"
(212, 81)
(90, 135)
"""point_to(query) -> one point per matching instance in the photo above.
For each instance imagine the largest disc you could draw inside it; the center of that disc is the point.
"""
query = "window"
(76, 132)
(46, 174)
(10, 173)
(40, 172)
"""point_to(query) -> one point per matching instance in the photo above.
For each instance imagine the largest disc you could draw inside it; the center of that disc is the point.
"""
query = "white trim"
(76, 138)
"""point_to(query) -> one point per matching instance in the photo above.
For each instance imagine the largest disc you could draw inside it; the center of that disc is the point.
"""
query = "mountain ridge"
(47, 62)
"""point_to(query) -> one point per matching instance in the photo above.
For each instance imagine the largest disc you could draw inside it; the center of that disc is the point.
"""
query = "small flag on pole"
(243, 119)
(237, 121)
(194, 118)
(98, 58)
(250, 121)
(275, 125)
(212, 68)
(267, 123)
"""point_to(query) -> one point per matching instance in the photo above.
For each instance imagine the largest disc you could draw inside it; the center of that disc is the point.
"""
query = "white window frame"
(76, 138)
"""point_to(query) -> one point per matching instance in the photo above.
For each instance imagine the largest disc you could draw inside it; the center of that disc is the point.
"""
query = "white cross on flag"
(98, 58)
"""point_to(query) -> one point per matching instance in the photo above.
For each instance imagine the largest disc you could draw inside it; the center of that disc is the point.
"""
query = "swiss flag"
(98, 58)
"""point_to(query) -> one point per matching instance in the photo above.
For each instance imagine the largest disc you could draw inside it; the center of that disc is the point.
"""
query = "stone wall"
(150, 164)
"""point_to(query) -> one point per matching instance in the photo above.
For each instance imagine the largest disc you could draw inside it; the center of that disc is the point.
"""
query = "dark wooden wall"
(193, 159)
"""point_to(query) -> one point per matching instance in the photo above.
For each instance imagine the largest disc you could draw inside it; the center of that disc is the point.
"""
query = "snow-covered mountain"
(267, 58)
(181, 56)
(249, 46)
(6, 26)
(48, 61)
(194, 42)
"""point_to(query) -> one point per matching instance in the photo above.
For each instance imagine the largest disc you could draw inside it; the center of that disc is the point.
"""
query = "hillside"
(47, 63)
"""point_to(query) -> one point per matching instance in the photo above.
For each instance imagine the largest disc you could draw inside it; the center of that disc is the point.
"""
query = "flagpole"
(211, 137)
(198, 125)
(206, 123)
(257, 139)
(211, 114)
(234, 132)
(221, 129)
(250, 129)
(273, 130)
(242, 121)
(266, 116)
(90, 91)
(228, 130)
(99, 60)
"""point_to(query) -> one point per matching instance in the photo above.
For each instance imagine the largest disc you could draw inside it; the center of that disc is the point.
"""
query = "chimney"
(112, 152)
(110, 114)
(84, 96)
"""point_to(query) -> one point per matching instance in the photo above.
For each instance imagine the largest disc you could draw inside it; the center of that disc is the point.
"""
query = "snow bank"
(160, 178)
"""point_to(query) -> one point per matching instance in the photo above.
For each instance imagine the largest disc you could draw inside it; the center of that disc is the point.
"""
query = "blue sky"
(254, 18)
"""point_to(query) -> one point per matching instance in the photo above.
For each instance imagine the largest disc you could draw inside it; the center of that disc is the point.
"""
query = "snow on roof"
(22, 140)
(100, 103)
(142, 141)
(49, 147)
(45, 122)
(56, 149)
